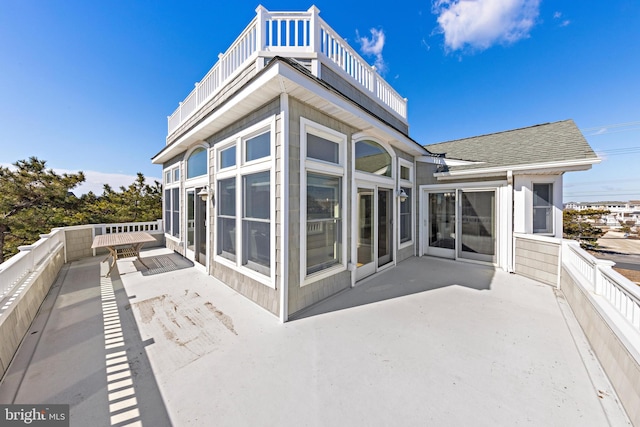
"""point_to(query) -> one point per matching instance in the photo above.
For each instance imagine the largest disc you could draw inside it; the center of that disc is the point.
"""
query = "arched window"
(197, 163)
(371, 157)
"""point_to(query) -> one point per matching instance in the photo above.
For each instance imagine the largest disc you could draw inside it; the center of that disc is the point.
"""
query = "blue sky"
(88, 85)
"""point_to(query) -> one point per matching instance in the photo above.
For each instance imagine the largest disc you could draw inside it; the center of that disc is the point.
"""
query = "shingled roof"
(540, 144)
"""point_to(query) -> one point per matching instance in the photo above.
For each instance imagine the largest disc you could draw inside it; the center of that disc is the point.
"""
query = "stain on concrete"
(223, 318)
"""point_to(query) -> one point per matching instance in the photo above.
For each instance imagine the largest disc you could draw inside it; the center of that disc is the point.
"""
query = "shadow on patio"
(84, 349)
(411, 276)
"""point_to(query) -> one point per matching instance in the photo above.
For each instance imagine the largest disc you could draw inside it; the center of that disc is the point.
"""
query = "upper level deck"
(303, 36)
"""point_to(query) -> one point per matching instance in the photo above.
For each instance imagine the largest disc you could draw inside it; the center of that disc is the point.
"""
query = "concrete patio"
(429, 342)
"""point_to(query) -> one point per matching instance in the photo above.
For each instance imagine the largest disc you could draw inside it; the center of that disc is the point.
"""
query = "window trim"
(238, 171)
(328, 169)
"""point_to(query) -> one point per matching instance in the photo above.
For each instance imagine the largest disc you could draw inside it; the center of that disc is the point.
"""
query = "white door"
(374, 239)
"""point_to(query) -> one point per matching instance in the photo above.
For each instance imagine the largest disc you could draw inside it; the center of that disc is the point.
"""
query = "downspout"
(511, 255)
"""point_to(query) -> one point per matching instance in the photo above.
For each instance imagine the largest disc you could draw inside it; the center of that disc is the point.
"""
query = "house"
(290, 175)
(619, 212)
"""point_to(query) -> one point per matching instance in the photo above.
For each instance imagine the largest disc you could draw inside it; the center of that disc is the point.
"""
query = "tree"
(30, 194)
(581, 225)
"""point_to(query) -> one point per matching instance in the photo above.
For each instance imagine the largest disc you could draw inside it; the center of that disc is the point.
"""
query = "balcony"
(303, 36)
(465, 344)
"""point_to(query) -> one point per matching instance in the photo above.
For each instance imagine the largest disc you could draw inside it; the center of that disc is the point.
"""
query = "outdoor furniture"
(122, 245)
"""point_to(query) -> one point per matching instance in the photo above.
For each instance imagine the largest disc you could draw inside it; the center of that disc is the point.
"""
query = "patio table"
(122, 245)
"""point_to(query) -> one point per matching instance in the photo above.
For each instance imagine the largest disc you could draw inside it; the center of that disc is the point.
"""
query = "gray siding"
(304, 296)
(362, 99)
(227, 91)
(537, 260)
(259, 293)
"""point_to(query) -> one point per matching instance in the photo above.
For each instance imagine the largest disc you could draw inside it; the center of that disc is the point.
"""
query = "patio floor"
(429, 342)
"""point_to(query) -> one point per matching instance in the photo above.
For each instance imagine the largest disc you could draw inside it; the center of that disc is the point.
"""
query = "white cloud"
(479, 24)
(94, 181)
(565, 22)
(373, 46)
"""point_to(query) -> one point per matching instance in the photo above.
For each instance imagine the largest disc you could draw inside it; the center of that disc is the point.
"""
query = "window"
(324, 222)
(371, 157)
(258, 147)
(543, 208)
(244, 194)
(319, 148)
(228, 157)
(226, 201)
(405, 173)
(323, 154)
(405, 217)
(172, 201)
(197, 163)
(172, 211)
(256, 222)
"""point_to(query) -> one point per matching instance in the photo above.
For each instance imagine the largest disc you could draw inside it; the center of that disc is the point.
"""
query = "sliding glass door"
(477, 219)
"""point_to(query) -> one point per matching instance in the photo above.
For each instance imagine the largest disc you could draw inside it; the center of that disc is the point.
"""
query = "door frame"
(190, 254)
(374, 266)
(502, 210)
(433, 251)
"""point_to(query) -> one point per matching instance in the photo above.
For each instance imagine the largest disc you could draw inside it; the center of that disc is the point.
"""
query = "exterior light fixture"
(204, 193)
(402, 195)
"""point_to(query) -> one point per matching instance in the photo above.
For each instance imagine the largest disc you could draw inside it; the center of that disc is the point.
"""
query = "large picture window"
(256, 230)
(245, 202)
(324, 222)
(543, 208)
(227, 218)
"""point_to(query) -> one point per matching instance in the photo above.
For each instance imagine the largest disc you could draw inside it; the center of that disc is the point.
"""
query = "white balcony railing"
(599, 277)
(17, 268)
(289, 34)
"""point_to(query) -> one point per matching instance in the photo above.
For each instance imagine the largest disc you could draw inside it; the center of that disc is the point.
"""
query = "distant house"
(619, 212)
(290, 175)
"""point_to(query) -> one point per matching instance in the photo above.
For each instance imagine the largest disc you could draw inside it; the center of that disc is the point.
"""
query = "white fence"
(600, 278)
(18, 267)
(290, 34)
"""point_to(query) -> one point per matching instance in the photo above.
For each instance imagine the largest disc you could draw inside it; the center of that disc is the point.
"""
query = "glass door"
(477, 218)
(441, 229)
(366, 231)
(385, 226)
(196, 227)
(374, 239)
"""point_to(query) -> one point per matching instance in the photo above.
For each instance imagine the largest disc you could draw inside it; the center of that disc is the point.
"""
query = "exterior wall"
(538, 258)
(263, 295)
(303, 296)
(343, 86)
(15, 321)
(523, 202)
(618, 359)
(229, 89)
(78, 242)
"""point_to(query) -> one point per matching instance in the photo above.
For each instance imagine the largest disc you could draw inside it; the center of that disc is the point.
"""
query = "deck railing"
(31, 257)
(290, 34)
(600, 279)
(16, 268)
